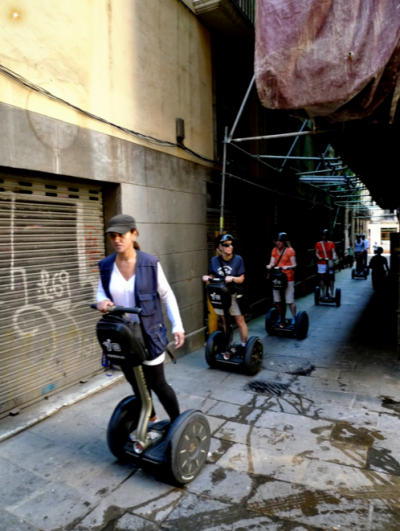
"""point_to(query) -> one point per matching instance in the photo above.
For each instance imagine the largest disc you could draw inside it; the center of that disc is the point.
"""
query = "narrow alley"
(324, 454)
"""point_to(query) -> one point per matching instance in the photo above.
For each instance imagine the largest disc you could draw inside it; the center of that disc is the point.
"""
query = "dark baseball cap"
(121, 224)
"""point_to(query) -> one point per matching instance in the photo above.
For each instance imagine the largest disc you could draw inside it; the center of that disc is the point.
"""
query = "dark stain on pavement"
(391, 404)
(346, 433)
(381, 458)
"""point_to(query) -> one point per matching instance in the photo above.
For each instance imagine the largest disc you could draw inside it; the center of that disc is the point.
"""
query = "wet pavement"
(324, 454)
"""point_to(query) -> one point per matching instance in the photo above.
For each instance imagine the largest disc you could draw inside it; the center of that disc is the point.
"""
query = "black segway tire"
(301, 326)
(270, 320)
(338, 297)
(214, 346)
(123, 421)
(188, 448)
(353, 273)
(253, 356)
(316, 296)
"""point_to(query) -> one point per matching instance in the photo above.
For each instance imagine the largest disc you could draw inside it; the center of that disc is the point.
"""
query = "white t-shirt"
(123, 294)
(359, 247)
(366, 244)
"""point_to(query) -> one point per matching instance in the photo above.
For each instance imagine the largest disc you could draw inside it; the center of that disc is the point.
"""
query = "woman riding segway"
(325, 251)
(230, 267)
(136, 282)
(225, 291)
(284, 256)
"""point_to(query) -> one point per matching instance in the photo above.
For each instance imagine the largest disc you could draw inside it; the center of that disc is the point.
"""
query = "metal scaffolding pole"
(321, 158)
(221, 217)
(282, 135)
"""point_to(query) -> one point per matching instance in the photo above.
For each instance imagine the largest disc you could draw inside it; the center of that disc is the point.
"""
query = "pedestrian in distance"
(379, 266)
(284, 256)
(130, 278)
(230, 267)
(325, 251)
(376, 247)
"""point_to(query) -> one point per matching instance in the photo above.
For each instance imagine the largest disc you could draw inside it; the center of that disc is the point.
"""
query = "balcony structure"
(234, 18)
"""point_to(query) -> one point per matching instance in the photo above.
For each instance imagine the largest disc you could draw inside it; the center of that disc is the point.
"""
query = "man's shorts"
(289, 293)
(233, 310)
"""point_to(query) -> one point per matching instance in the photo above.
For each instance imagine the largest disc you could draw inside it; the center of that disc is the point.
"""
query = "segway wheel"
(270, 320)
(253, 356)
(122, 422)
(316, 296)
(353, 273)
(188, 449)
(338, 297)
(215, 345)
(301, 326)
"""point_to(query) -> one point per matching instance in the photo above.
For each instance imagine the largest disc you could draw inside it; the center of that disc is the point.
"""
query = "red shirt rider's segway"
(219, 348)
(327, 300)
(298, 330)
(359, 271)
(177, 449)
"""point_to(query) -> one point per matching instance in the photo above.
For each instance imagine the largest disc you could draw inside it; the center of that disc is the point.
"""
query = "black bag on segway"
(122, 342)
(278, 279)
(219, 294)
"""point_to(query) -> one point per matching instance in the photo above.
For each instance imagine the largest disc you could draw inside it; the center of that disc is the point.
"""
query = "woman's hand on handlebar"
(179, 339)
(103, 305)
(205, 278)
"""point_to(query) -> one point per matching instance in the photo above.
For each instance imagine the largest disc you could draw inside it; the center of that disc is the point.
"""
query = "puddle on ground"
(346, 433)
(391, 404)
(381, 459)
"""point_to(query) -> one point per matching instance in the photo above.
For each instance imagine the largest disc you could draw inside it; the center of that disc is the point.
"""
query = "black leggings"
(155, 379)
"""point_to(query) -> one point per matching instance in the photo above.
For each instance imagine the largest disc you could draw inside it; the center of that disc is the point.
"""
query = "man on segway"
(359, 248)
(284, 256)
(366, 249)
(325, 252)
(230, 267)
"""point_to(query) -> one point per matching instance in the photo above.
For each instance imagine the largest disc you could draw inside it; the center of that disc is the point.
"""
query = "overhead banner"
(334, 58)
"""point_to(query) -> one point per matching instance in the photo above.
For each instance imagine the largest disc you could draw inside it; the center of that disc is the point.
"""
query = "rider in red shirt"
(325, 251)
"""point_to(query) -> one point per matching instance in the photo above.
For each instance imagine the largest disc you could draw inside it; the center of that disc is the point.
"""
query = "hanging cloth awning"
(334, 58)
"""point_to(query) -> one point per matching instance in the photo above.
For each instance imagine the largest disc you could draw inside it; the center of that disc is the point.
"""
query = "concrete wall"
(165, 194)
(139, 64)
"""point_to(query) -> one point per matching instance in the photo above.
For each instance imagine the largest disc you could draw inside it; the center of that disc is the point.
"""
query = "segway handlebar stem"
(119, 309)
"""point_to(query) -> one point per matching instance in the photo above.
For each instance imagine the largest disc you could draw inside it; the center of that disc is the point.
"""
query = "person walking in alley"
(131, 278)
(284, 256)
(379, 266)
(230, 267)
(325, 251)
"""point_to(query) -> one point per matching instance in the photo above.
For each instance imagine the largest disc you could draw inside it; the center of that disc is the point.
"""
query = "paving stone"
(218, 448)
(56, 507)
(213, 515)
(10, 522)
(135, 493)
(215, 423)
(227, 394)
(257, 461)
(353, 482)
(389, 422)
(222, 484)
(194, 402)
(353, 416)
(294, 423)
(321, 508)
(384, 518)
(272, 440)
(232, 411)
(17, 483)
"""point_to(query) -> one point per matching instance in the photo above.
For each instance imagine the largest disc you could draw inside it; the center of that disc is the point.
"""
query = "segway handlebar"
(119, 309)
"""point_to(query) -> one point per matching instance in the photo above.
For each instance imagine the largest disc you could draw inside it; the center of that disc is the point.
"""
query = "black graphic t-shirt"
(232, 268)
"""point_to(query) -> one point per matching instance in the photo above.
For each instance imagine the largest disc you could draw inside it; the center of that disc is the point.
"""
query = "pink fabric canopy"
(334, 58)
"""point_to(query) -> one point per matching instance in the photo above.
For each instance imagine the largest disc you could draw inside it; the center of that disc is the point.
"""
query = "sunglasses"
(227, 244)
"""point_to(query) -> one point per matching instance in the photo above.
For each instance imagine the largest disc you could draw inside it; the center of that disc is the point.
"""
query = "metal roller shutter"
(51, 238)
